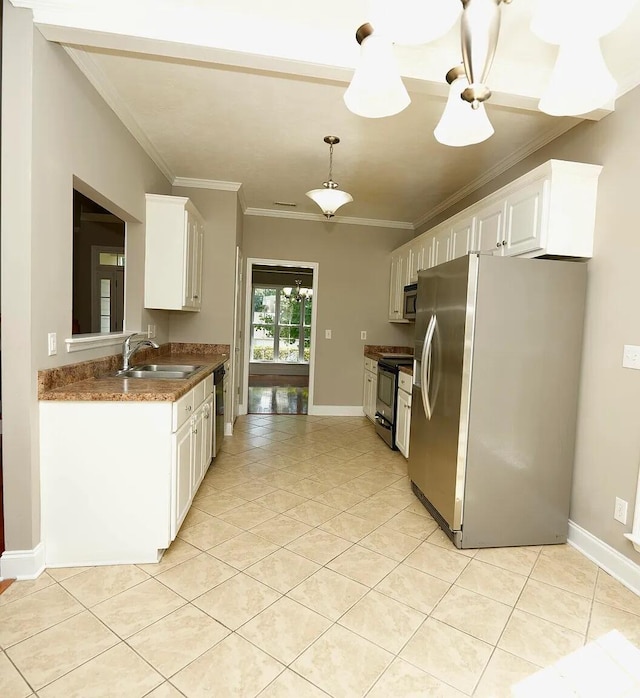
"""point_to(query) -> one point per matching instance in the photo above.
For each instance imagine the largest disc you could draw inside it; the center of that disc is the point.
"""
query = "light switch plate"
(620, 512)
(363, 334)
(631, 356)
(327, 334)
(52, 343)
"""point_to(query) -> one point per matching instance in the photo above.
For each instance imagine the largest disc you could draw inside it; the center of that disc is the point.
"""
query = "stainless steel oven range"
(388, 366)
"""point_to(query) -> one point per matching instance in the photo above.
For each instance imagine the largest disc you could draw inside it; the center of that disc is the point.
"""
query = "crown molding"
(560, 127)
(218, 184)
(98, 79)
(213, 184)
(318, 217)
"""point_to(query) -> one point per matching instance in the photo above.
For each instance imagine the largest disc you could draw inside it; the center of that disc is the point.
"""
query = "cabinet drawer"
(182, 410)
(368, 364)
(405, 382)
(199, 394)
(208, 385)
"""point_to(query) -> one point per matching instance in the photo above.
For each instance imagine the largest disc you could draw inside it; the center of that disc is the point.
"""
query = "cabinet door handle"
(196, 297)
(188, 408)
(498, 244)
(504, 242)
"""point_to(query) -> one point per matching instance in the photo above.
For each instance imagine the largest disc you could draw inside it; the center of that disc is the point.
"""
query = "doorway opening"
(279, 336)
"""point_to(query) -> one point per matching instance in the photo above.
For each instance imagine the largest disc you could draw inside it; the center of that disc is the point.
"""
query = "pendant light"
(330, 198)
(297, 294)
(461, 125)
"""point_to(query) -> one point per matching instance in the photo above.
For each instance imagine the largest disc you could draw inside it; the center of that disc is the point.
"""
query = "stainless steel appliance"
(409, 302)
(218, 389)
(388, 366)
(498, 347)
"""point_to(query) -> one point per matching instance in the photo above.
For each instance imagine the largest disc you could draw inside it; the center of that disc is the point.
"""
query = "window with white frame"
(280, 324)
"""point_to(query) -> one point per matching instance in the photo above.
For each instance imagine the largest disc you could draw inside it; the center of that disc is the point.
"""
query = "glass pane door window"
(280, 326)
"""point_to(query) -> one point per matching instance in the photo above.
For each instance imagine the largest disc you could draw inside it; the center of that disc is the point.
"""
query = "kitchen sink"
(159, 371)
(164, 368)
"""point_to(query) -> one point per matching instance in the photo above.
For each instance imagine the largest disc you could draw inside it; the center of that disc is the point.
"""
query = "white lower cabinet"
(118, 478)
(370, 394)
(403, 413)
(191, 457)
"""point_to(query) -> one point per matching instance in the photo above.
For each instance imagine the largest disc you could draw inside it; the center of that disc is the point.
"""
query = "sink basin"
(159, 371)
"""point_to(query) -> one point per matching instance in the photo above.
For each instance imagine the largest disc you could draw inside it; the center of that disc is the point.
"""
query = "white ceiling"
(242, 92)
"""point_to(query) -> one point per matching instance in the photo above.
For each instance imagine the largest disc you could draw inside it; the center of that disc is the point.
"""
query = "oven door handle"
(426, 367)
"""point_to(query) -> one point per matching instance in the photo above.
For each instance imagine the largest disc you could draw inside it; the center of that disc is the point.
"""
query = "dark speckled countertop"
(95, 380)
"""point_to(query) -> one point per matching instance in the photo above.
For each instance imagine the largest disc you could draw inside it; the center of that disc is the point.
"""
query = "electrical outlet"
(620, 513)
(363, 334)
(631, 356)
(151, 331)
(327, 334)
(52, 343)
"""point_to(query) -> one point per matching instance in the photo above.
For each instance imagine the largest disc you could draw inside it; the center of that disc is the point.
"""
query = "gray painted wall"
(50, 118)
(353, 293)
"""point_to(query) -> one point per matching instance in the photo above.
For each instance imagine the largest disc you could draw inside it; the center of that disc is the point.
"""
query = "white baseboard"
(228, 429)
(22, 564)
(336, 410)
(615, 563)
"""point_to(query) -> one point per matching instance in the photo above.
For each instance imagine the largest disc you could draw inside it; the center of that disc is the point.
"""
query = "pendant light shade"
(330, 198)
(580, 81)
(414, 22)
(461, 125)
(376, 89)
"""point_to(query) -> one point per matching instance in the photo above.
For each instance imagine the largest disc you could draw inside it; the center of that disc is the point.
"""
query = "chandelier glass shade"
(460, 125)
(414, 22)
(376, 89)
(297, 294)
(580, 81)
(330, 198)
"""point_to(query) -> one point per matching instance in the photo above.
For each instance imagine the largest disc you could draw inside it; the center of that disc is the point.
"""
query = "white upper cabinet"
(461, 240)
(489, 227)
(173, 254)
(549, 211)
(398, 279)
(440, 250)
(523, 220)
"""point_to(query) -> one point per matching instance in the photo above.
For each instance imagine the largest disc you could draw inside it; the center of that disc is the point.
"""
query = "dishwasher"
(218, 422)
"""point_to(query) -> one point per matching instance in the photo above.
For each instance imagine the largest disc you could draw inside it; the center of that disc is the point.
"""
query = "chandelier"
(298, 294)
(580, 81)
(330, 198)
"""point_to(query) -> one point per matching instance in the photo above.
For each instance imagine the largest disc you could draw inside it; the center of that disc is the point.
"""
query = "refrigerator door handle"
(426, 366)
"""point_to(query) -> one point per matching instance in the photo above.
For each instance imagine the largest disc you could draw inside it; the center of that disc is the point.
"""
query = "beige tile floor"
(307, 568)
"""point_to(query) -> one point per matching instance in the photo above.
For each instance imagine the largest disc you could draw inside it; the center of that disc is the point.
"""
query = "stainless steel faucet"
(128, 351)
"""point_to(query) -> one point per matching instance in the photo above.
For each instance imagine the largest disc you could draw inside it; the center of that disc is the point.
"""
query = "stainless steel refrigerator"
(497, 364)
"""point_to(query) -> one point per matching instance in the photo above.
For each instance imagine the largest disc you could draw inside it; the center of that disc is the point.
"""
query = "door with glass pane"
(107, 289)
(280, 325)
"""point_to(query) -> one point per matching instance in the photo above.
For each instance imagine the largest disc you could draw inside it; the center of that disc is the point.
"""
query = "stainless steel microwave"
(409, 303)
